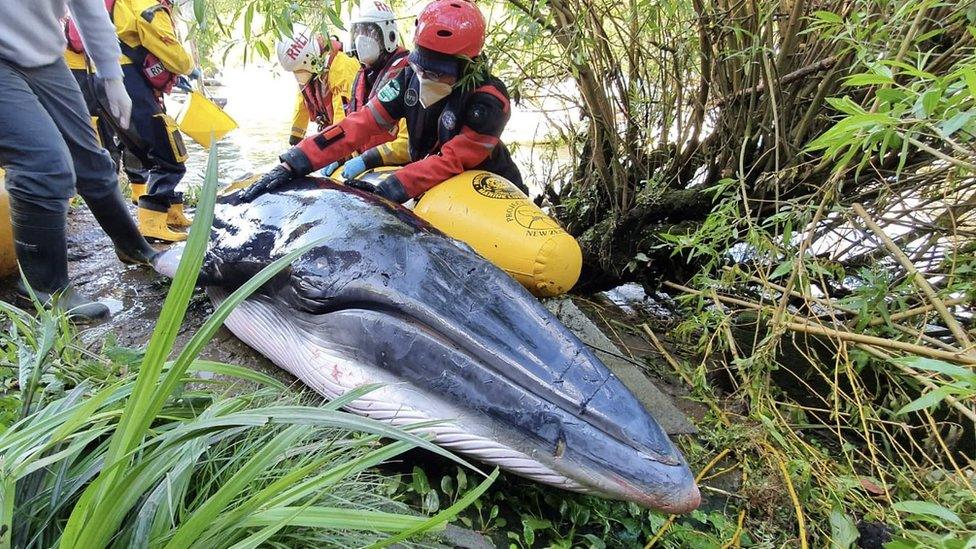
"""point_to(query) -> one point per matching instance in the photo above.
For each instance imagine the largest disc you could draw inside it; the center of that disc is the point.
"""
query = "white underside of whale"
(396, 402)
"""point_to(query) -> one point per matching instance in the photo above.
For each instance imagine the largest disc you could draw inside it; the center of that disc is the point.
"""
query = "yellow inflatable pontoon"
(8, 258)
(494, 217)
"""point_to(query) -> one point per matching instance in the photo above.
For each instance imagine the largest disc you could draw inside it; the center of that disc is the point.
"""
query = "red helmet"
(451, 27)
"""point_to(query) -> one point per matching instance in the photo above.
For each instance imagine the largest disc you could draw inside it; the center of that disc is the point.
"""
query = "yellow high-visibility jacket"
(342, 71)
(75, 60)
(147, 23)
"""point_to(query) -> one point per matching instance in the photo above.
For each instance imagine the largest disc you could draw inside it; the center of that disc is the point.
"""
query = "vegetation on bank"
(799, 175)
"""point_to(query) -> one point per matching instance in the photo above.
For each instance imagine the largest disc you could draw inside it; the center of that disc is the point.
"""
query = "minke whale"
(390, 300)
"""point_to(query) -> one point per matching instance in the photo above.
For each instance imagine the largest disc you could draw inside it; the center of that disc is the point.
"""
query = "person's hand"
(279, 175)
(183, 83)
(195, 74)
(119, 104)
(390, 188)
(329, 170)
(353, 168)
(361, 185)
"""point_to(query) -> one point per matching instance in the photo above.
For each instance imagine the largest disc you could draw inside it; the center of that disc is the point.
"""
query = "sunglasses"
(427, 74)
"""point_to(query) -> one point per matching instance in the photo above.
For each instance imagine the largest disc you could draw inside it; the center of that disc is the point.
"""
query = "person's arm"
(340, 140)
(342, 72)
(299, 121)
(98, 35)
(485, 117)
(158, 35)
(393, 153)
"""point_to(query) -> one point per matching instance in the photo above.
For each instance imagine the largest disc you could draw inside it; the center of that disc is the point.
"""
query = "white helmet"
(381, 14)
(300, 51)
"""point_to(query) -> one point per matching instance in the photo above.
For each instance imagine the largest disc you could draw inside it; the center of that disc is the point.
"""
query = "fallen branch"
(823, 64)
(961, 358)
(917, 278)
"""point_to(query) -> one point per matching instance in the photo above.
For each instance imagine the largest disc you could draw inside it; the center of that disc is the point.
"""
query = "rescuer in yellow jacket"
(152, 59)
(324, 75)
(325, 78)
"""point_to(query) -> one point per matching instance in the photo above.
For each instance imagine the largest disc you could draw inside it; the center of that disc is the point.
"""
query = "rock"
(672, 420)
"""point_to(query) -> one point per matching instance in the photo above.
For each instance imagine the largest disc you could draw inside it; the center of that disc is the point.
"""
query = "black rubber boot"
(41, 246)
(115, 219)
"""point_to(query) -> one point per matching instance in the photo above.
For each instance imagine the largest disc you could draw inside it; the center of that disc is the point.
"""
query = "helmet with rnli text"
(451, 27)
(378, 15)
(301, 51)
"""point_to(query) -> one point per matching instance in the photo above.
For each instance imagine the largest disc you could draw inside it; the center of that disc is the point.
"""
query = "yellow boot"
(152, 224)
(138, 189)
(176, 218)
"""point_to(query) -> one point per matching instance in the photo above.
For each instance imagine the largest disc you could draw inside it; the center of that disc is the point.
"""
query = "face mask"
(432, 91)
(367, 50)
(302, 77)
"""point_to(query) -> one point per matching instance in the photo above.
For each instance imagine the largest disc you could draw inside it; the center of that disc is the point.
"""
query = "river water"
(261, 98)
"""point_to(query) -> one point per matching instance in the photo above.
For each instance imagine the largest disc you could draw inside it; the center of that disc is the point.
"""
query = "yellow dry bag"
(8, 258)
(202, 117)
(491, 215)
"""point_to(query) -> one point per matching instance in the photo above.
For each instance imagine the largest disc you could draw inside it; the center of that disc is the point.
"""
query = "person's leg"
(95, 174)
(40, 181)
(137, 173)
(164, 148)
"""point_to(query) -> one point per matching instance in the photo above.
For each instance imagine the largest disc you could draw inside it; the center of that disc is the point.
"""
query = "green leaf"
(827, 16)
(843, 532)
(200, 11)
(891, 95)
(969, 75)
(954, 124)
(419, 481)
(928, 400)
(783, 268)
(958, 373)
(867, 79)
(335, 518)
(927, 509)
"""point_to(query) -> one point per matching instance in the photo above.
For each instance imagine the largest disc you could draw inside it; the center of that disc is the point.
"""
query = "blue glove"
(195, 74)
(353, 168)
(327, 171)
(183, 84)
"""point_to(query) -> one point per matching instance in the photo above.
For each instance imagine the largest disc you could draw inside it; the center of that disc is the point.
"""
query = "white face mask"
(367, 50)
(432, 91)
(302, 77)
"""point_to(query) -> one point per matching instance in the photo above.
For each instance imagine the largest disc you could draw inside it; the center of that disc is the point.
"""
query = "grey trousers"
(47, 143)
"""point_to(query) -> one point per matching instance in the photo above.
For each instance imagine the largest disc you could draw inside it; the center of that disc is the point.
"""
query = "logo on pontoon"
(495, 187)
(532, 219)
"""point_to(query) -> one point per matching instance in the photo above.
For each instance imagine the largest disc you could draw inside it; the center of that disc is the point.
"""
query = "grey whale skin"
(389, 299)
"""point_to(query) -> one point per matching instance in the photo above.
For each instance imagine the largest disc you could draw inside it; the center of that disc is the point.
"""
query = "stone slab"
(672, 420)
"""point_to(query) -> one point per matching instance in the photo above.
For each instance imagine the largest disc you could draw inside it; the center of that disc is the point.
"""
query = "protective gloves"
(329, 170)
(390, 188)
(119, 104)
(353, 168)
(278, 176)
